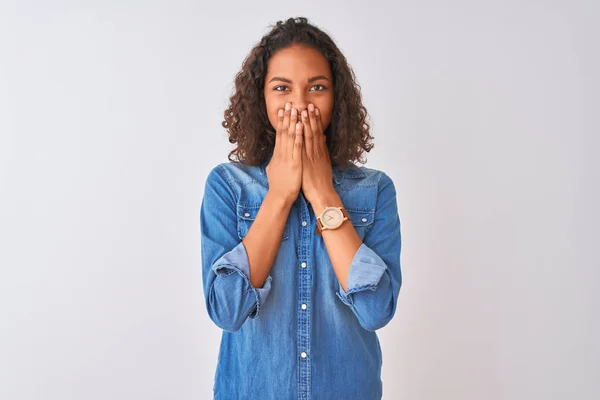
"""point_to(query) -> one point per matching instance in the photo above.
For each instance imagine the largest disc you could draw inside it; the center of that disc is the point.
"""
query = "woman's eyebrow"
(314, 78)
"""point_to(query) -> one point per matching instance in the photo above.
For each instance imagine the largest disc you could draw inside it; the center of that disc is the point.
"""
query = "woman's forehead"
(299, 61)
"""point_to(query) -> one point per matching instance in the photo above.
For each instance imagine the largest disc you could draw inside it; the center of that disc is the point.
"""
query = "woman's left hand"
(316, 163)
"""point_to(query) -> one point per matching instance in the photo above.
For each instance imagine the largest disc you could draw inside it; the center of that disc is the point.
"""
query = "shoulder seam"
(232, 179)
(228, 176)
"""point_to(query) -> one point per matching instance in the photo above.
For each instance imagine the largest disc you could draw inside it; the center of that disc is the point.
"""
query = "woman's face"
(300, 75)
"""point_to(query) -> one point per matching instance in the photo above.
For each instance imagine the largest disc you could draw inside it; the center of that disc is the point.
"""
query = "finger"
(284, 128)
(319, 124)
(308, 132)
(297, 154)
(324, 146)
(280, 114)
(291, 133)
(313, 119)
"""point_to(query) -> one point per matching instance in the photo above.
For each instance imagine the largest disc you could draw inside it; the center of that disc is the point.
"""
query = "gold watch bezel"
(321, 227)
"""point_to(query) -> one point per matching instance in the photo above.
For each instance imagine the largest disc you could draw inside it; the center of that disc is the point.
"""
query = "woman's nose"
(300, 103)
(300, 107)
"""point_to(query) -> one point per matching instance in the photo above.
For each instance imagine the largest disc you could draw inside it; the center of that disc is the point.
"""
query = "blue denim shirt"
(300, 336)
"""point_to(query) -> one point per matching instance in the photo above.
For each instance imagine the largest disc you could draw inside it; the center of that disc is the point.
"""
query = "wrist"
(283, 201)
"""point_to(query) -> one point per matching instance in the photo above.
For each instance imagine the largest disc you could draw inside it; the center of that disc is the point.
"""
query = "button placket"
(304, 298)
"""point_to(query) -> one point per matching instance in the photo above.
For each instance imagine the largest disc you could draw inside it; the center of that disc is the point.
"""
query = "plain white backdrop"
(485, 115)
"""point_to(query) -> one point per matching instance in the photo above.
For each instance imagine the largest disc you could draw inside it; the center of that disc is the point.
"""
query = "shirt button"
(303, 354)
(364, 220)
(303, 265)
(247, 215)
(304, 306)
(304, 223)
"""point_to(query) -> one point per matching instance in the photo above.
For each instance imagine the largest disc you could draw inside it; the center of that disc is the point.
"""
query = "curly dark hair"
(246, 120)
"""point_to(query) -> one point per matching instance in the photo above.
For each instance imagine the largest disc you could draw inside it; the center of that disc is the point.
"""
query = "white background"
(485, 115)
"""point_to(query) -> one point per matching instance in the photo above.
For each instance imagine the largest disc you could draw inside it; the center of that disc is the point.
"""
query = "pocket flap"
(361, 217)
(247, 212)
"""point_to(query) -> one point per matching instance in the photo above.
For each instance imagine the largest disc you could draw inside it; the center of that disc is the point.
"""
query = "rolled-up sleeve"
(229, 295)
(375, 278)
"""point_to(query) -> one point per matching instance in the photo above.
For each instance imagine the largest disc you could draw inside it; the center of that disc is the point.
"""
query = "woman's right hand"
(284, 171)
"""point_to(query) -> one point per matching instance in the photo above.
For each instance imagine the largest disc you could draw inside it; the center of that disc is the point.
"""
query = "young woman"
(300, 247)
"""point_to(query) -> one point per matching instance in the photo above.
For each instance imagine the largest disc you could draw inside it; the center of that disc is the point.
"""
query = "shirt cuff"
(366, 270)
(236, 260)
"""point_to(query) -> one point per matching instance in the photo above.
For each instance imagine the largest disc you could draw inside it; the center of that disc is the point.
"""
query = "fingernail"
(280, 113)
(304, 114)
(288, 106)
(311, 107)
(317, 111)
(293, 111)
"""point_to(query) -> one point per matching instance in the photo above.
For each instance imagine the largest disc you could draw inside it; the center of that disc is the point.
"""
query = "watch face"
(332, 217)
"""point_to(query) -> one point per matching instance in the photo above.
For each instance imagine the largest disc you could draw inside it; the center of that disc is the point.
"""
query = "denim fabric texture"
(300, 336)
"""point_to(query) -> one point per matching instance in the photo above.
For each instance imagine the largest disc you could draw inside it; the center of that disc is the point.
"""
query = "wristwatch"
(331, 218)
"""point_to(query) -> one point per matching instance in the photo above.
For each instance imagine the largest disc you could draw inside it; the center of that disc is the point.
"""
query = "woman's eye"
(276, 88)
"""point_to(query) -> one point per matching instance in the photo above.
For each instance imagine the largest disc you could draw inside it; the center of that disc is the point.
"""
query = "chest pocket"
(362, 220)
(245, 217)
